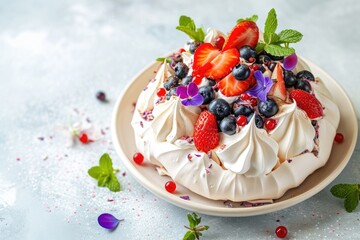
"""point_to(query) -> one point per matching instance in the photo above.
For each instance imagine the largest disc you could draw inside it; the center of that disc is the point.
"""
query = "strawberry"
(244, 33)
(223, 64)
(206, 135)
(203, 56)
(229, 86)
(308, 103)
(278, 89)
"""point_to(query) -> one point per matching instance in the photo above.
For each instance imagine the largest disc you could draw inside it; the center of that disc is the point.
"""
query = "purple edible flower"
(190, 95)
(290, 62)
(185, 197)
(108, 221)
(262, 87)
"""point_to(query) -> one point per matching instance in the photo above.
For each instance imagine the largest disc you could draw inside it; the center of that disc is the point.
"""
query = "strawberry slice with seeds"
(203, 56)
(206, 135)
(223, 64)
(230, 86)
(244, 33)
(307, 102)
(278, 89)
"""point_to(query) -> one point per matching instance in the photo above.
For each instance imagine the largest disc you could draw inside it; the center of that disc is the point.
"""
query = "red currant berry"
(245, 96)
(241, 120)
(255, 67)
(281, 231)
(170, 186)
(181, 50)
(219, 42)
(253, 102)
(252, 59)
(270, 124)
(138, 158)
(83, 138)
(339, 138)
(101, 96)
(161, 92)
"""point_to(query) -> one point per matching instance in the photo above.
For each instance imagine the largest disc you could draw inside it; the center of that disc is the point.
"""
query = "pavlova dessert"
(236, 117)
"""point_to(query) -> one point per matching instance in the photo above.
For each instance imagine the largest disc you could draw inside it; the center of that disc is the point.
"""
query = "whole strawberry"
(308, 103)
(206, 135)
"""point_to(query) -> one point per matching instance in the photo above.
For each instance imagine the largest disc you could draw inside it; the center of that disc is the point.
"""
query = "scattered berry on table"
(220, 108)
(305, 75)
(241, 120)
(219, 42)
(208, 93)
(161, 92)
(339, 138)
(243, 110)
(281, 231)
(101, 96)
(268, 108)
(181, 70)
(241, 72)
(228, 125)
(259, 122)
(186, 80)
(193, 46)
(171, 82)
(303, 85)
(170, 186)
(270, 124)
(206, 134)
(138, 158)
(289, 78)
(248, 53)
(83, 138)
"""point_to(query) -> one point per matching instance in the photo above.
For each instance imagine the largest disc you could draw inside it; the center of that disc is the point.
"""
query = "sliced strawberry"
(278, 89)
(307, 102)
(203, 55)
(229, 86)
(223, 64)
(206, 135)
(244, 33)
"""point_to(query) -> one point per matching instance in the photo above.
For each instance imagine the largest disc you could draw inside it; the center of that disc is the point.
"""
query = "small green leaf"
(270, 38)
(187, 22)
(196, 218)
(259, 47)
(351, 201)
(95, 172)
(342, 190)
(113, 185)
(289, 36)
(190, 235)
(162, 59)
(271, 22)
(103, 179)
(187, 25)
(279, 51)
(106, 163)
(192, 222)
(253, 18)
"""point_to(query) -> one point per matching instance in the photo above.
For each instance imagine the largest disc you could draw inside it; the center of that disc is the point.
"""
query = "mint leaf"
(102, 180)
(189, 236)
(187, 25)
(277, 50)
(253, 18)
(271, 22)
(105, 163)
(351, 201)
(192, 222)
(342, 190)
(162, 59)
(95, 172)
(195, 230)
(271, 38)
(113, 185)
(259, 47)
(289, 36)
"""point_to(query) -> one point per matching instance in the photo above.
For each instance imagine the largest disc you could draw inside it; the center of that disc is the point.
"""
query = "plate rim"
(223, 211)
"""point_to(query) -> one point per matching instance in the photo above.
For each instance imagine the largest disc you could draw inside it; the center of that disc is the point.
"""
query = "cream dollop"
(294, 132)
(212, 34)
(250, 152)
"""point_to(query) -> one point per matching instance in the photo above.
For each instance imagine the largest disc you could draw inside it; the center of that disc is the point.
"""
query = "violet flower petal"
(192, 89)
(181, 91)
(290, 62)
(186, 102)
(108, 221)
(185, 197)
(259, 76)
(197, 100)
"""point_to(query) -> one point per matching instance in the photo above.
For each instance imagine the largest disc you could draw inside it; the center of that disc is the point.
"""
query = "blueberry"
(303, 85)
(181, 70)
(264, 59)
(305, 75)
(268, 108)
(228, 125)
(171, 92)
(259, 122)
(208, 93)
(272, 66)
(248, 53)
(248, 118)
(220, 108)
(218, 125)
(211, 82)
(289, 78)
(241, 72)
(186, 80)
(175, 58)
(193, 46)
(243, 110)
(171, 82)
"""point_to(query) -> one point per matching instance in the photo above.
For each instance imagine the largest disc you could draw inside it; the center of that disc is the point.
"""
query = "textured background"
(55, 55)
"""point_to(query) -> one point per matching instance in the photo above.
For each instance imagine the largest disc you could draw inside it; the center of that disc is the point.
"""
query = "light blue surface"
(54, 57)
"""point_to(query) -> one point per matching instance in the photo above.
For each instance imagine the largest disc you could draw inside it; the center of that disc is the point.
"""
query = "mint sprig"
(277, 44)
(195, 231)
(105, 174)
(162, 59)
(187, 25)
(349, 192)
(253, 18)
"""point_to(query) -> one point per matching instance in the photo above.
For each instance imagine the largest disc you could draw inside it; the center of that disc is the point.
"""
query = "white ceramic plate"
(123, 137)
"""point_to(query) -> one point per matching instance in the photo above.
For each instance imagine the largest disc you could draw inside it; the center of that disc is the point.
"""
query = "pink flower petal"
(290, 62)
